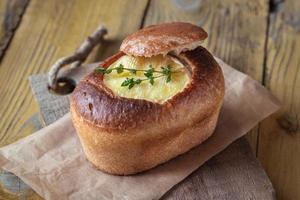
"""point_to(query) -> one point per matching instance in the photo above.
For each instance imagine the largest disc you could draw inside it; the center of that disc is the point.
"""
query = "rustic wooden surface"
(234, 174)
(279, 146)
(259, 37)
(11, 12)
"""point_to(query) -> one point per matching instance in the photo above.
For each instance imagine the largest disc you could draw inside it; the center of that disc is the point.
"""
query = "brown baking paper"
(52, 162)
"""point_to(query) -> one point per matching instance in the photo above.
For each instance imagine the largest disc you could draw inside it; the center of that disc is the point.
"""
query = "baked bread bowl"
(125, 131)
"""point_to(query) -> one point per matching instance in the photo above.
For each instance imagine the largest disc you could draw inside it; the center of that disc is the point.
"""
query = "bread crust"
(125, 136)
(164, 38)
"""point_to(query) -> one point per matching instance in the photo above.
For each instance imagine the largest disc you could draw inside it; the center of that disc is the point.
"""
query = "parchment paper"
(52, 162)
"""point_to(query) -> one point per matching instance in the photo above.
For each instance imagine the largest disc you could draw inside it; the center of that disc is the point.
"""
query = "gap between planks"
(11, 19)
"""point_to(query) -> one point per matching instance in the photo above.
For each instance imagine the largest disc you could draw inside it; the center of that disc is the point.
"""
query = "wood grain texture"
(236, 31)
(233, 174)
(279, 147)
(50, 30)
(11, 12)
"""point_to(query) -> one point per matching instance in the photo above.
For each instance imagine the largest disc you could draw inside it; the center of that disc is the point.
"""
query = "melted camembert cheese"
(160, 91)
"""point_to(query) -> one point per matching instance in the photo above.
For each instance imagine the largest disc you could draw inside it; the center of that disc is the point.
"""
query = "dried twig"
(78, 57)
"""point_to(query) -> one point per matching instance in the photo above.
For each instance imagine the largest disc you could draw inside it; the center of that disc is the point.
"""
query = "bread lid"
(162, 39)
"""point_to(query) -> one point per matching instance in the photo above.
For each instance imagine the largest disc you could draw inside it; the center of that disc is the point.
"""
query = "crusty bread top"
(97, 104)
(164, 38)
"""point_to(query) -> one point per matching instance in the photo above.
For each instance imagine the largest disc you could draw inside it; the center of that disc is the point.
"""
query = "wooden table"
(258, 37)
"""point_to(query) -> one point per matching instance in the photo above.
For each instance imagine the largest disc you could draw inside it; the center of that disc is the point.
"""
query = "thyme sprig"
(150, 74)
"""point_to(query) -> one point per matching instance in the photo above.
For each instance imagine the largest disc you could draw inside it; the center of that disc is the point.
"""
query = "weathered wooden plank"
(233, 174)
(236, 31)
(50, 30)
(11, 12)
(279, 147)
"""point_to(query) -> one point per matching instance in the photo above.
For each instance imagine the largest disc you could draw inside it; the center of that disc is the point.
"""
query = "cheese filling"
(160, 91)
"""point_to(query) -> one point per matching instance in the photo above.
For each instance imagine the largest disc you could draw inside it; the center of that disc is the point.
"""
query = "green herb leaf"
(100, 70)
(133, 71)
(138, 81)
(127, 82)
(168, 78)
(108, 71)
(130, 82)
(149, 73)
(151, 80)
(167, 72)
(120, 69)
(130, 85)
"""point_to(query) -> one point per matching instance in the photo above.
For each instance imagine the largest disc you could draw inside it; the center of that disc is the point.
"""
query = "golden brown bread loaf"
(125, 135)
